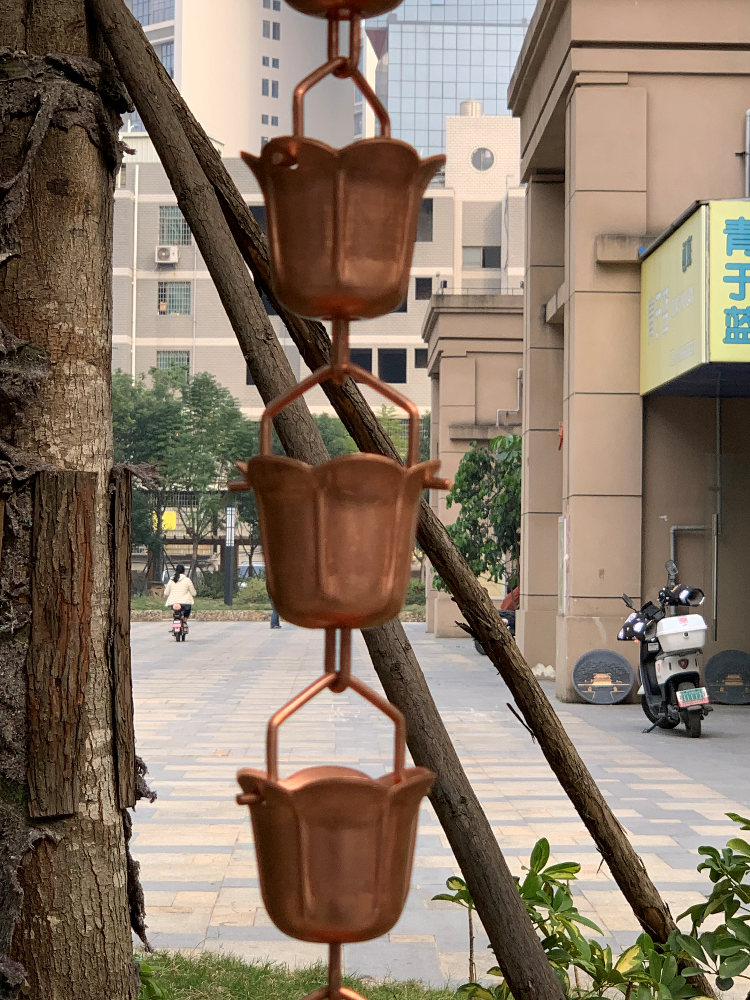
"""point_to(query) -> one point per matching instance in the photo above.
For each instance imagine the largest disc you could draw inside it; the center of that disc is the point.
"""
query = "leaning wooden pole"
(512, 935)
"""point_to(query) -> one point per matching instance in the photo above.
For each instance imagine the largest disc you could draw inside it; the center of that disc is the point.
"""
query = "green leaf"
(692, 946)
(739, 846)
(584, 921)
(734, 965)
(644, 993)
(724, 984)
(540, 855)
(740, 929)
(495, 971)
(664, 992)
(447, 897)
(564, 871)
(669, 971)
(691, 970)
(455, 883)
(726, 946)
(744, 823)
(629, 959)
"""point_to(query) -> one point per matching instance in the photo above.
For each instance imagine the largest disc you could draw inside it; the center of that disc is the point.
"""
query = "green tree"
(487, 530)
(335, 436)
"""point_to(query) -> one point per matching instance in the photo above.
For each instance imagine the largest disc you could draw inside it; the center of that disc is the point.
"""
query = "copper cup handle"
(337, 680)
(342, 67)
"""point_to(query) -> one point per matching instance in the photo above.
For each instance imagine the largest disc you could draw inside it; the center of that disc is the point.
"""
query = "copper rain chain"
(334, 846)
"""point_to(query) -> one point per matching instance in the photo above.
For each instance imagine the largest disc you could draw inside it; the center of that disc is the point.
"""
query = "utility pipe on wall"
(519, 381)
(134, 280)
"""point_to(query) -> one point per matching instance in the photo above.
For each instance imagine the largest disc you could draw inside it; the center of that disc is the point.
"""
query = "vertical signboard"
(730, 281)
(673, 305)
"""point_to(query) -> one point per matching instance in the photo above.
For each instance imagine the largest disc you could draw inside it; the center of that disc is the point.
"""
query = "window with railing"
(174, 298)
(173, 228)
(152, 11)
(165, 52)
(172, 359)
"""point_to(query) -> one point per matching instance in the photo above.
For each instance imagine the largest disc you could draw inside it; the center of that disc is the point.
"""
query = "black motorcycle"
(179, 623)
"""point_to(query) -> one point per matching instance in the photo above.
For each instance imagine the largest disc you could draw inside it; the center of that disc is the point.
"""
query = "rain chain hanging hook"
(335, 846)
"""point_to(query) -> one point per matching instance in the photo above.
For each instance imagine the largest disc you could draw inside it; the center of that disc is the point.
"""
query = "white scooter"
(670, 648)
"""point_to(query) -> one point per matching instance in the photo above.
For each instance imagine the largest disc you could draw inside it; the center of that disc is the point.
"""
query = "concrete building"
(434, 54)
(630, 112)
(167, 310)
(236, 63)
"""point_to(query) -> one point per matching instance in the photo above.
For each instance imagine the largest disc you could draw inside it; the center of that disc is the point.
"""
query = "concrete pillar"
(541, 501)
(602, 415)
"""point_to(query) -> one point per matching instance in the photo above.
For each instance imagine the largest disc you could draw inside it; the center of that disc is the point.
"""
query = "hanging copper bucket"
(334, 847)
(341, 222)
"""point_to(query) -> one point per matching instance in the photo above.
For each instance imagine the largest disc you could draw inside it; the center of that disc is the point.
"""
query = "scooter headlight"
(691, 597)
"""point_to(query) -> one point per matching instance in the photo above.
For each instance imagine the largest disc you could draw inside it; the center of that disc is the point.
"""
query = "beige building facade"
(629, 113)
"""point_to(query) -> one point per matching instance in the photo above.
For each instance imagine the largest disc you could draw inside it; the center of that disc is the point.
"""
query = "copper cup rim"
(355, 458)
(254, 781)
(283, 142)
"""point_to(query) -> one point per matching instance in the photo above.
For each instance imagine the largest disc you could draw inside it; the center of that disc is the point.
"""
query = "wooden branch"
(513, 938)
(123, 724)
(60, 650)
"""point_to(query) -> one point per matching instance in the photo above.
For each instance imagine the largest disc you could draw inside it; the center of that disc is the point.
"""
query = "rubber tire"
(693, 725)
(479, 648)
(664, 724)
(177, 637)
(184, 636)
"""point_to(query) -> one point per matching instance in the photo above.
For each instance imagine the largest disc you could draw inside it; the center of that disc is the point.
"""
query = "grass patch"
(202, 604)
(224, 977)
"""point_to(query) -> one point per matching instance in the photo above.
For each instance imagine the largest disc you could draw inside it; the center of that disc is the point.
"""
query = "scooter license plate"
(689, 697)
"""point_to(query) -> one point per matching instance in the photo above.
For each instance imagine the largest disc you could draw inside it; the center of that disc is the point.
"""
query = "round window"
(482, 159)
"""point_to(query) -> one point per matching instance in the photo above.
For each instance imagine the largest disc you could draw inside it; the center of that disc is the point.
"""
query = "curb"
(232, 616)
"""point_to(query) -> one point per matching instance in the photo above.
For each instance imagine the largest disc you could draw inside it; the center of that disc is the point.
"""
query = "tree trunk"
(73, 936)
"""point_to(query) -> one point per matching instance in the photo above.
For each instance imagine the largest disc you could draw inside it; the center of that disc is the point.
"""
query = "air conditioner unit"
(167, 254)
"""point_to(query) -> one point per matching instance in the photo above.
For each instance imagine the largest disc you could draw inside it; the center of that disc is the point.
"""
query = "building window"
(274, 120)
(264, 88)
(277, 4)
(420, 357)
(392, 364)
(259, 214)
(266, 29)
(358, 123)
(276, 31)
(274, 88)
(403, 307)
(249, 380)
(265, 61)
(165, 52)
(482, 159)
(275, 63)
(267, 4)
(173, 228)
(122, 176)
(264, 119)
(172, 359)
(479, 257)
(424, 225)
(174, 297)
(491, 257)
(152, 11)
(361, 356)
(263, 141)
(423, 288)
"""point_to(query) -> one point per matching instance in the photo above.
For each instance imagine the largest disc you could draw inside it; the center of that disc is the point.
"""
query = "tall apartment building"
(433, 54)
(236, 63)
(469, 242)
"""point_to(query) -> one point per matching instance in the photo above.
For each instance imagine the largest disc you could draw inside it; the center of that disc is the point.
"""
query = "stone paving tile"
(201, 712)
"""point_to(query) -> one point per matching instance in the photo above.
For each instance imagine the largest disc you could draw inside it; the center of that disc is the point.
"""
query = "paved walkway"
(201, 709)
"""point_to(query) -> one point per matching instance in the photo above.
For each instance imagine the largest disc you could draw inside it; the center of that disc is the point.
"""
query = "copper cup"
(341, 223)
(334, 849)
(338, 538)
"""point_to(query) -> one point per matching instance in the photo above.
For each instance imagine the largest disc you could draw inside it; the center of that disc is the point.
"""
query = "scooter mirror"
(671, 567)
(629, 603)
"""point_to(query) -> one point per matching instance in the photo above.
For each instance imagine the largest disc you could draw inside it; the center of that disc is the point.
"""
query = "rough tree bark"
(511, 933)
(59, 150)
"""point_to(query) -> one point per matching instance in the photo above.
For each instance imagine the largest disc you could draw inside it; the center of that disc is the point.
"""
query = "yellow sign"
(673, 305)
(168, 520)
(730, 281)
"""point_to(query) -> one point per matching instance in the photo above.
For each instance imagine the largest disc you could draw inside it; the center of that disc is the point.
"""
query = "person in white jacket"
(180, 590)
